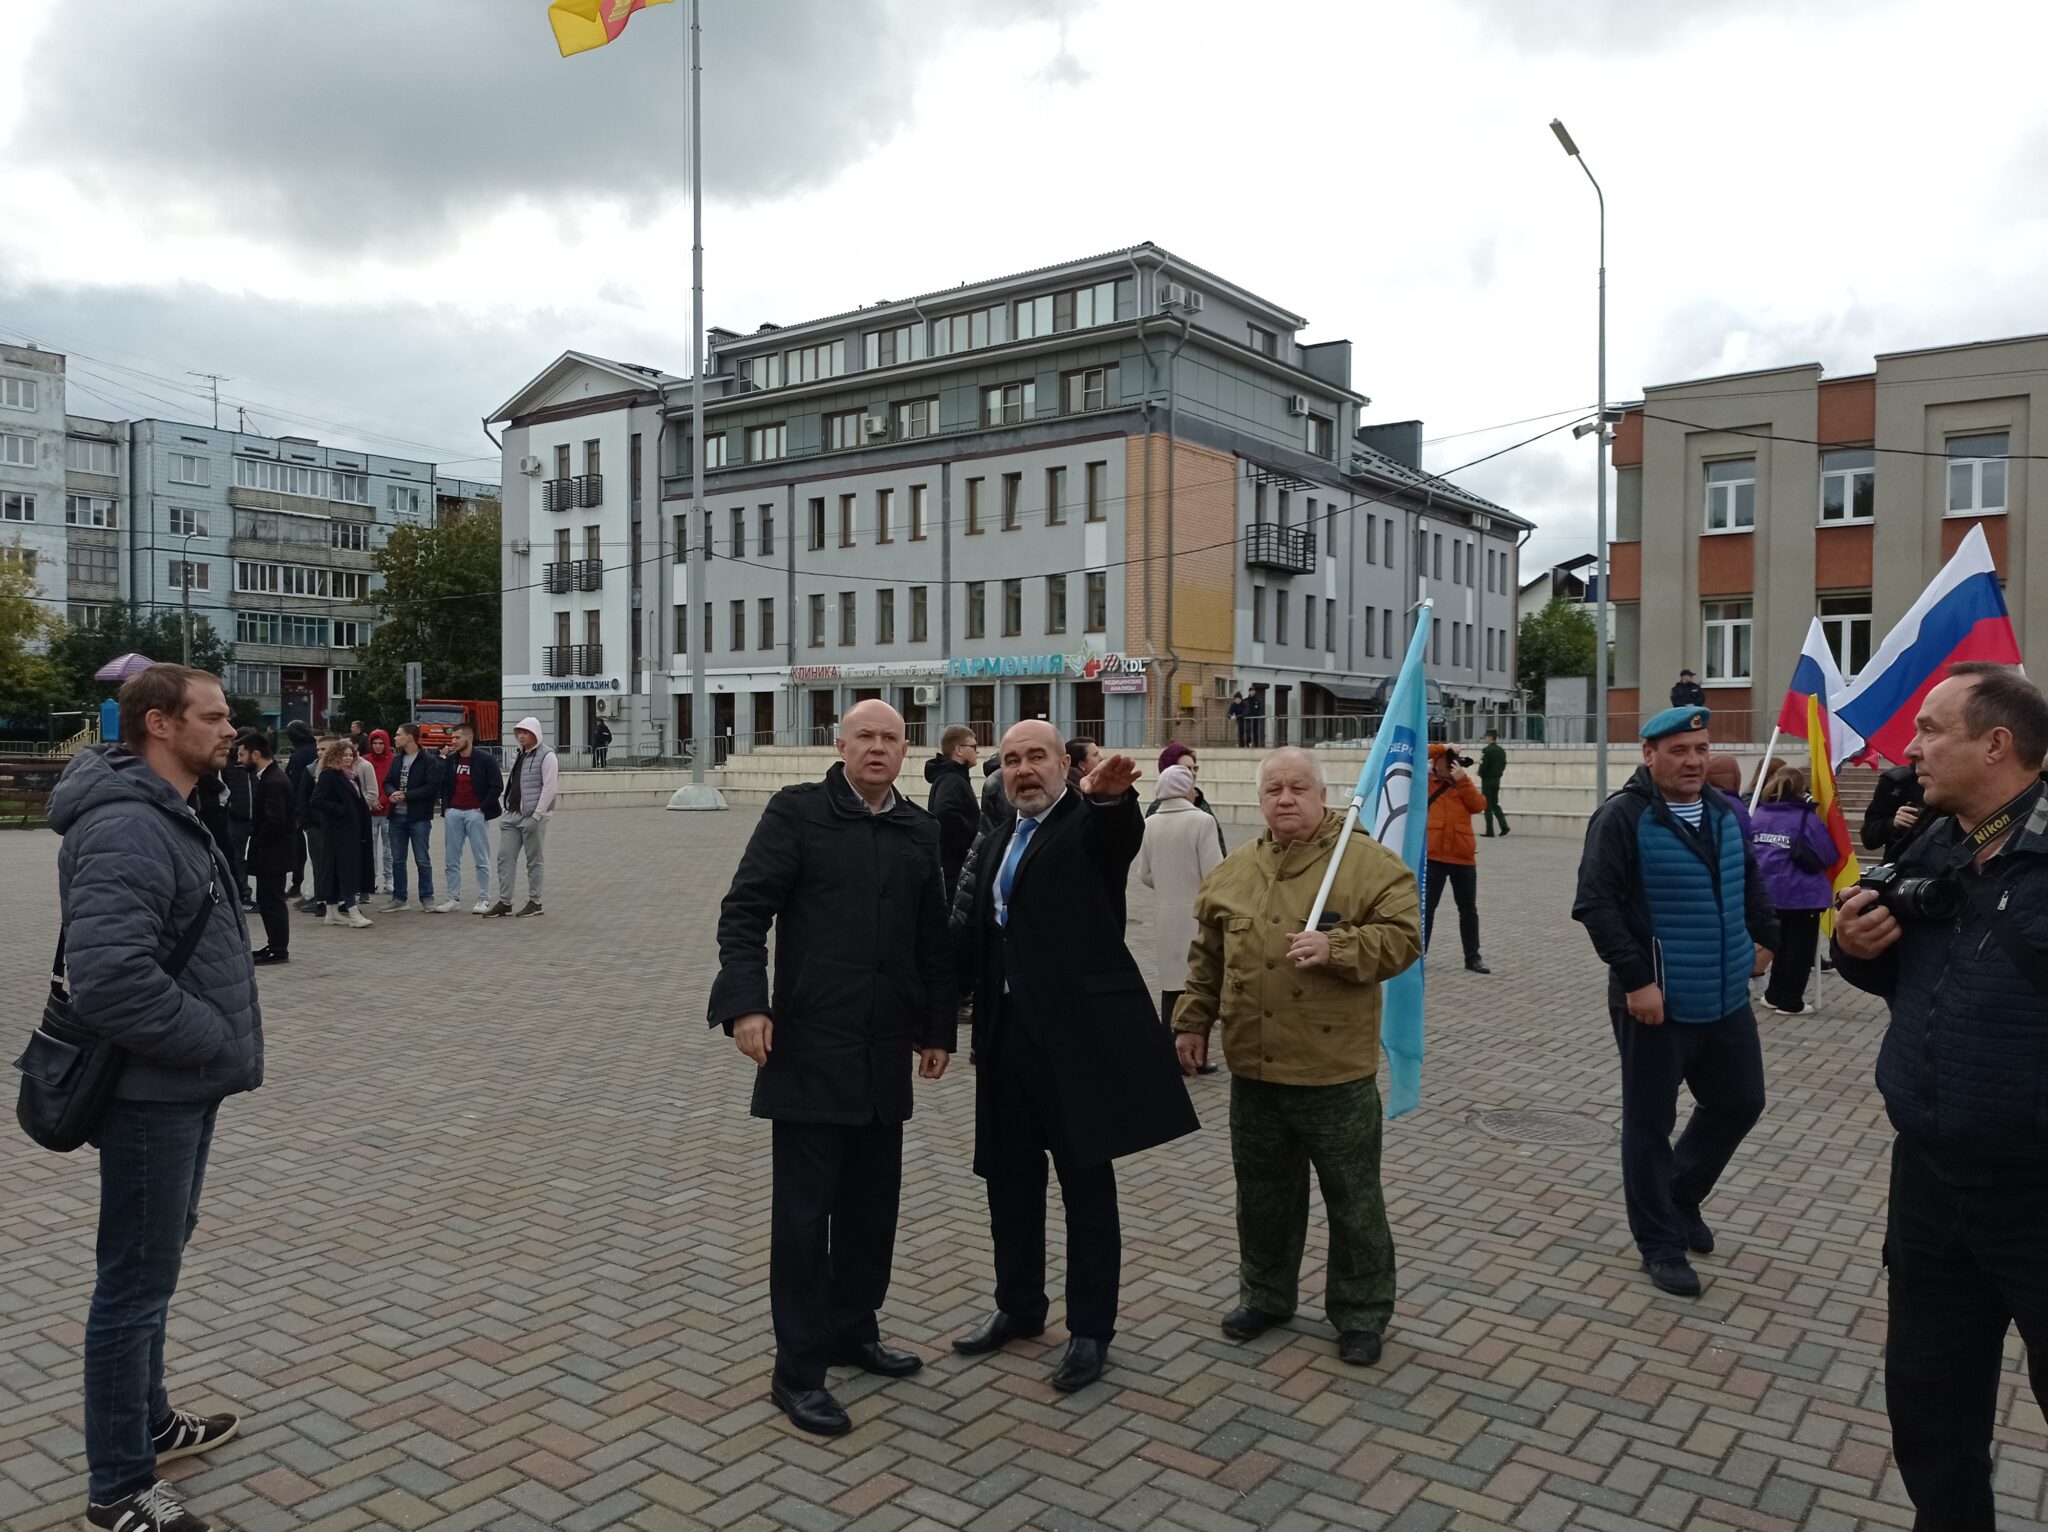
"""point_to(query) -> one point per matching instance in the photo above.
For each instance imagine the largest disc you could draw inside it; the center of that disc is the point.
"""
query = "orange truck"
(437, 718)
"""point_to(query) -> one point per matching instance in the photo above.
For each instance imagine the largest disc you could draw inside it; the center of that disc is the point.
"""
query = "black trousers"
(832, 1237)
(1027, 1118)
(1721, 1063)
(1464, 883)
(1964, 1263)
(1792, 959)
(277, 916)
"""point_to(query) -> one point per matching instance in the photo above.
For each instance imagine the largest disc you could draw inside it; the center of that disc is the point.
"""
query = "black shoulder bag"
(68, 1072)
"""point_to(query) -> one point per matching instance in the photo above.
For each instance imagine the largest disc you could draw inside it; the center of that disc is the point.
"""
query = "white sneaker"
(445, 907)
(358, 919)
(481, 907)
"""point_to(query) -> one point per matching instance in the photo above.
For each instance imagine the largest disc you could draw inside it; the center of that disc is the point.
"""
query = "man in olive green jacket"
(1301, 1026)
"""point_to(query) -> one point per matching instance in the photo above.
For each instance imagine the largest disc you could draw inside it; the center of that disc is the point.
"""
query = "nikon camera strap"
(2029, 959)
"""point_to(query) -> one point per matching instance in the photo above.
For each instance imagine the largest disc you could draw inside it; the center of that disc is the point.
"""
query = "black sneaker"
(501, 908)
(532, 908)
(1699, 1239)
(1358, 1348)
(1674, 1276)
(185, 1435)
(270, 955)
(155, 1509)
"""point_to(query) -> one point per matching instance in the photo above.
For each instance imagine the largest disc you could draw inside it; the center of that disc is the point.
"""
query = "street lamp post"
(1600, 479)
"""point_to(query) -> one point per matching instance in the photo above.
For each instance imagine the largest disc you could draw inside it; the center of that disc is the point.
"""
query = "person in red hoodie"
(380, 757)
(1453, 854)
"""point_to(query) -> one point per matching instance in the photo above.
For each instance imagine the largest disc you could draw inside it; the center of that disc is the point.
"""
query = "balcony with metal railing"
(558, 495)
(558, 578)
(589, 489)
(589, 659)
(558, 660)
(1291, 550)
(588, 574)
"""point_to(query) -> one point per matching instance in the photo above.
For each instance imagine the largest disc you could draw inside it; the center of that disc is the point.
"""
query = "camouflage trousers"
(1276, 1133)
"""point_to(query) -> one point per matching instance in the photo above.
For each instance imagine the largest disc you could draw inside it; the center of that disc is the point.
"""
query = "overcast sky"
(380, 217)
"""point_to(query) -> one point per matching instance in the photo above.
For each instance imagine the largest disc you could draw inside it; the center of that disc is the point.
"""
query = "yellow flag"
(584, 24)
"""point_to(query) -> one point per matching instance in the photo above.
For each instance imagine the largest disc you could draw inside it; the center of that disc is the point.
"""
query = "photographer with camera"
(1954, 938)
(1453, 852)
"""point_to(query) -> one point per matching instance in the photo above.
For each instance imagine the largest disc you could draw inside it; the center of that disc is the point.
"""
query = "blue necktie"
(1008, 875)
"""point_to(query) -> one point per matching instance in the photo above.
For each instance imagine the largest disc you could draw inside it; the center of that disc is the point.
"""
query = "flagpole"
(1756, 791)
(696, 526)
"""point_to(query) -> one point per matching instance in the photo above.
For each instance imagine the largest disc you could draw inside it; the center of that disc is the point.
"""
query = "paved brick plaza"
(490, 1250)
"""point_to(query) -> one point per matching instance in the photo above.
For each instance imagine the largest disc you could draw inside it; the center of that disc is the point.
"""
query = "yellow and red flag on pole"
(581, 25)
(1846, 869)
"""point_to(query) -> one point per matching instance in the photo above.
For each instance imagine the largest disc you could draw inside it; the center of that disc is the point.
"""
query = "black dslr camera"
(1461, 760)
(1911, 898)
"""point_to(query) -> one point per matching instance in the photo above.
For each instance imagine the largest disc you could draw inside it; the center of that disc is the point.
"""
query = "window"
(763, 371)
(738, 523)
(84, 455)
(1976, 474)
(714, 451)
(1097, 481)
(917, 508)
(1848, 484)
(96, 565)
(886, 348)
(817, 622)
(85, 614)
(707, 627)
(679, 540)
(1094, 389)
(305, 632)
(848, 625)
(1387, 629)
(1056, 603)
(593, 542)
(808, 364)
(17, 393)
(1007, 404)
(339, 681)
(1286, 512)
(920, 614)
(1436, 640)
(1372, 539)
(1098, 602)
(252, 680)
(842, 430)
(767, 443)
(352, 487)
(351, 535)
(682, 645)
(885, 515)
(846, 521)
(967, 332)
(1013, 501)
(1262, 340)
(1846, 621)
(258, 628)
(973, 506)
(885, 615)
(17, 507)
(1372, 631)
(186, 522)
(1436, 556)
(765, 619)
(1013, 608)
(1279, 616)
(977, 609)
(17, 451)
(1322, 435)
(1258, 614)
(1054, 313)
(1457, 563)
(402, 499)
(1308, 622)
(347, 633)
(197, 575)
(1731, 495)
(917, 417)
(1457, 643)
(704, 532)
(189, 468)
(767, 530)
(817, 522)
(1330, 624)
(88, 511)
(1055, 496)
(1727, 625)
(561, 461)
(739, 626)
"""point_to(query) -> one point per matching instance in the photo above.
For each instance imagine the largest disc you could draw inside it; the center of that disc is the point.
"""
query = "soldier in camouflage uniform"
(1301, 1024)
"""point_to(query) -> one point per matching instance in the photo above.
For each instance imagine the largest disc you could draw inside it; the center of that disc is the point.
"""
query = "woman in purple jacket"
(1793, 852)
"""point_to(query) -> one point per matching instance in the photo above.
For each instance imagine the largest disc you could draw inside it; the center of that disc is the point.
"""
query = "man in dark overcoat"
(847, 871)
(1073, 1061)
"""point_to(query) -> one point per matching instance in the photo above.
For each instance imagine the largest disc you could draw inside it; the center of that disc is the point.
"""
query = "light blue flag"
(1385, 794)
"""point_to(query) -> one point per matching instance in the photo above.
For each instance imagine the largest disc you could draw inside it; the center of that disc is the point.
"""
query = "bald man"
(1073, 1062)
(847, 872)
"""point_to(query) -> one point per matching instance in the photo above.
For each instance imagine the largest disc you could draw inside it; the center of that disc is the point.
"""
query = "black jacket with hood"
(952, 803)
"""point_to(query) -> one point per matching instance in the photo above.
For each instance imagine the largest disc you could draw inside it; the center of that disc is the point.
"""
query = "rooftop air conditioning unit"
(522, 546)
(1172, 294)
(1297, 404)
(876, 425)
(611, 707)
(925, 696)
(530, 466)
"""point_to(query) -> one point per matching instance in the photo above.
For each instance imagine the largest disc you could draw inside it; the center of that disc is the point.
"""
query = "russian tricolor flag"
(1960, 616)
(1817, 676)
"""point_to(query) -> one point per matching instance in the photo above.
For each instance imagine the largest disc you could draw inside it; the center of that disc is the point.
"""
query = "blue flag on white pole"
(1385, 794)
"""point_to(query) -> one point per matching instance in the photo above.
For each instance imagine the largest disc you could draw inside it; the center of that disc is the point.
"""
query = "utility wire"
(1808, 441)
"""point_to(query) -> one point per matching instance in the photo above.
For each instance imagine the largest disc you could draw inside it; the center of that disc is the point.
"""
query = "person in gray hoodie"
(136, 871)
(532, 787)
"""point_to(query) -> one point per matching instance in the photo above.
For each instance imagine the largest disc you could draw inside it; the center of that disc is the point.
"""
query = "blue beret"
(1676, 720)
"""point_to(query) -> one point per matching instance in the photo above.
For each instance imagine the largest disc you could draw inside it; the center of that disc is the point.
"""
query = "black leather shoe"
(270, 955)
(1699, 1239)
(1675, 1277)
(874, 1357)
(994, 1332)
(1081, 1366)
(1473, 965)
(1361, 1348)
(813, 1410)
(1247, 1323)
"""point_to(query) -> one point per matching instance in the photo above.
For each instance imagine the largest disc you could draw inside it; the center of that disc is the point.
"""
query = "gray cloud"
(350, 124)
(1630, 28)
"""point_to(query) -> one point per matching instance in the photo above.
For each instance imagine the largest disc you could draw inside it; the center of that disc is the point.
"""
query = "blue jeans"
(417, 834)
(466, 827)
(152, 1164)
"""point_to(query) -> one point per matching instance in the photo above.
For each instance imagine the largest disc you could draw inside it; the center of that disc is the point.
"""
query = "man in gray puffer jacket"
(136, 871)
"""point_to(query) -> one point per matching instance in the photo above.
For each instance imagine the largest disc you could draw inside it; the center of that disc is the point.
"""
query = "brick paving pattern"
(490, 1250)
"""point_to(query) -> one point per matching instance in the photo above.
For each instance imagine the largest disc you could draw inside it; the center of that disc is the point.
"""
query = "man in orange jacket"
(1453, 853)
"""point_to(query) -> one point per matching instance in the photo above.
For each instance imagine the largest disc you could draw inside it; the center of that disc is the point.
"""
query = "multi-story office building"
(267, 539)
(1110, 493)
(1750, 504)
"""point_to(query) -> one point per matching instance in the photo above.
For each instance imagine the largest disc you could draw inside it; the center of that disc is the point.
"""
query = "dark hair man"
(299, 767)
(1082, 754)
(1687, 691)
(471, 786)
(413, 785)
(951, 801)
(137, 872)
(273, 844)
(1895, 812)
(1493, 765)
(847, 871)
(1679, 914)
(1963, 1074)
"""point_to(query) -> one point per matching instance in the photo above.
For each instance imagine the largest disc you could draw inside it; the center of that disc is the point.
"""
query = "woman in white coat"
(1181, 848)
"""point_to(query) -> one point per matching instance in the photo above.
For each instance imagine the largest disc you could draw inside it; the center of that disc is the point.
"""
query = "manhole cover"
(1521, 1126)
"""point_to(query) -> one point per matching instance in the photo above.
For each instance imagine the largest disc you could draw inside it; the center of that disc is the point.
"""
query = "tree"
(126, 628)
(1557, 641)
(440, 606)
(30, 685)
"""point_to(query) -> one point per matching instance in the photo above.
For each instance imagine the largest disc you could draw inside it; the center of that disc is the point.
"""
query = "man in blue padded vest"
(1677, 911)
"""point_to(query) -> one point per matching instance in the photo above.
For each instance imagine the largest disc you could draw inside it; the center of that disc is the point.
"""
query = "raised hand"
(1113, 775)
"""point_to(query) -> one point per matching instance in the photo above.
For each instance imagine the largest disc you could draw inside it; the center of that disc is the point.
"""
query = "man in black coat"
(273, 844)
(1073, 1061)
(1896, 809)
(848, 873)
(952, 802)
(1686, 691)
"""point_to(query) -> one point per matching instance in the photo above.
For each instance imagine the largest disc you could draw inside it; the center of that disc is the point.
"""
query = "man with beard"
(1073, 1061)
